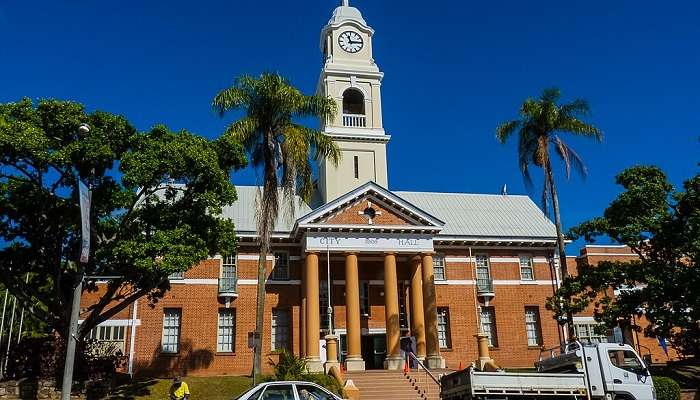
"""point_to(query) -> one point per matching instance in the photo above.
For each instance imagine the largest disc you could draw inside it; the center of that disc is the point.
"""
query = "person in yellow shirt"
(179, 390)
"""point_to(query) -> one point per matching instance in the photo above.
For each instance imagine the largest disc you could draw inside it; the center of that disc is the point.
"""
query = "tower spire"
(346, 3)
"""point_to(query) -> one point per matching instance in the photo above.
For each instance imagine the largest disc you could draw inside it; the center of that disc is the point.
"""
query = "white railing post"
(354, 120)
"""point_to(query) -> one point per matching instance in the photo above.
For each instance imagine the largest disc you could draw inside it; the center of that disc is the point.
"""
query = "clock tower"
(352, 78)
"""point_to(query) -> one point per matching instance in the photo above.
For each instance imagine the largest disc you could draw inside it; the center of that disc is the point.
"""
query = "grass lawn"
(201, 388)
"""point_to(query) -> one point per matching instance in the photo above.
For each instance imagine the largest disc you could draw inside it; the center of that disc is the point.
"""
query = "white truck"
(605, 371)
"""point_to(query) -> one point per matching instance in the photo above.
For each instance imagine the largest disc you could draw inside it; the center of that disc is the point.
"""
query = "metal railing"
(427, 384)
(228, 285)
(354, 120)
(484, 285)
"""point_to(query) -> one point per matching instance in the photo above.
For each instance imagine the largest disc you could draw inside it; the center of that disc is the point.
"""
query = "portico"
(395, 233)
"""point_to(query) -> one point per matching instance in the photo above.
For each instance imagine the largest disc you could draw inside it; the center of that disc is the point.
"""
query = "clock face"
(350, 42)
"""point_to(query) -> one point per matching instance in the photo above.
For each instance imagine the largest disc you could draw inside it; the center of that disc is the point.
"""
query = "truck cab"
(605, 371)
(610, 369)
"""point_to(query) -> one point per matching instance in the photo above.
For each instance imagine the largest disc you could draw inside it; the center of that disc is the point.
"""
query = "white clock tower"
(351, 77)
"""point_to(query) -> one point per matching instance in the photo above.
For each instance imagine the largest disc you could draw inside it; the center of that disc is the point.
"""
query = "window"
(353, 102)
(532, 326)
(443, 325)
(112, 337)
(323, 304)
(357, 167)
(226, 337)
(625, 359)
(278, 392)
(403, 315)
(227, 281)
(527, 272)
(483, 274)
(364, 298)
(308, 392)
(177, 275)
(171, 330)
(588, 333)
(439, 267)
(280, 270)
(280, 329)
(488, 325)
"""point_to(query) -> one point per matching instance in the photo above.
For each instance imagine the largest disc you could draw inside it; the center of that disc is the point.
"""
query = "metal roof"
(484, 215)
(464, 214)
(242, 212)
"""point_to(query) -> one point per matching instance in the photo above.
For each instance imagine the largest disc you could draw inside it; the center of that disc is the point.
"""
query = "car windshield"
(255, 391)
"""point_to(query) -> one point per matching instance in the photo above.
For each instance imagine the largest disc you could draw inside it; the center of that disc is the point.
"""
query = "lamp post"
(84, 196)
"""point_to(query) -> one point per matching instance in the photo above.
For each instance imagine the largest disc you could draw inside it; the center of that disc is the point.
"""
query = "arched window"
(353, 102)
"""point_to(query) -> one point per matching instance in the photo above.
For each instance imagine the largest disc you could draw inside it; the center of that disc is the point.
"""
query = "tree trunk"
(260, 310)
(560, 240)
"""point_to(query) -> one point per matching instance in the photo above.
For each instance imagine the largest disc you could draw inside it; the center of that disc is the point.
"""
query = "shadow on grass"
(685, 372)
(139, 388)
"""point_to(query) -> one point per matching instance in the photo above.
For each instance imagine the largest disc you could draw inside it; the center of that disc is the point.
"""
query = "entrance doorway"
(374, 351)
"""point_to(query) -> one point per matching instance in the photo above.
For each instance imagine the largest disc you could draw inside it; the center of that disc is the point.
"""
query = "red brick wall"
(200, 304)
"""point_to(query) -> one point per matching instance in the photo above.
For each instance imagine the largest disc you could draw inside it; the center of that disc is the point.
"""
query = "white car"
(288, 390)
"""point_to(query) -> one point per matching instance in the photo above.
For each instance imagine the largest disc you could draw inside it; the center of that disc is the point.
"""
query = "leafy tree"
(661, 226)
(280, 147)
(155, 200)
(541, 121)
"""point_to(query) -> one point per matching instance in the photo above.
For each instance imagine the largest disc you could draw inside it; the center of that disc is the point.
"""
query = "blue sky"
(453, 71)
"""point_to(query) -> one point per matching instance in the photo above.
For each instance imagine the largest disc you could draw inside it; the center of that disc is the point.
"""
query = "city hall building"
(363, 262)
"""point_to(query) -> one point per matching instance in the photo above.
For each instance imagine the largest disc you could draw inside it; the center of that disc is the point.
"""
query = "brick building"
(435, 266)
(649, 348)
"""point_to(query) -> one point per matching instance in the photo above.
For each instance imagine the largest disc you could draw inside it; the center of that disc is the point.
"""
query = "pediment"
(373, 207)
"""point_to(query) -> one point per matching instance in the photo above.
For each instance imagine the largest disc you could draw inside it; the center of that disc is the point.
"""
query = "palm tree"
(282, 148)
(541, 121)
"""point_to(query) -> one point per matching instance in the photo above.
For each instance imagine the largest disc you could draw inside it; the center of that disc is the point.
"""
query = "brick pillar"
(417, 312)
(433, 358)
(391, 309)
(354, 361)
(313, 336)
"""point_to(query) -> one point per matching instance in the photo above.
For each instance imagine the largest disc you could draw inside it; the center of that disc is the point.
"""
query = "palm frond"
(577, 127)
(323, 145)
(570, 158)
(563, 151)
(576, 107)
(325, 108)
(550, 95)
(527, 147)
(506, 129)
(230, 99)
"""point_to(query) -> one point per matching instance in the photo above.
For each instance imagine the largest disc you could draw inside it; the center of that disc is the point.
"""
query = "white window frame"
(532, 326)
(227, 331)
(492, 332)
(274, 275)
(275, 327)
(229, 261)
(110, 335)
(443, 328)
(590, 335)
(167, 345)
(439, 259)
(531, 266)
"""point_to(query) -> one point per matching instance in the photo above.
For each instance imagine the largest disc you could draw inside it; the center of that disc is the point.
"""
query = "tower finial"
(346, 3)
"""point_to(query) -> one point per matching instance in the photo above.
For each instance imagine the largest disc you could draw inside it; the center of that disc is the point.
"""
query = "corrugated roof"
(464, 214)
(483, 215)
(242, 212)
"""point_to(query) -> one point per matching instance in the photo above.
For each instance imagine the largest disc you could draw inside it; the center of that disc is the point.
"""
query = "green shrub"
(666, 388)
(293, 368)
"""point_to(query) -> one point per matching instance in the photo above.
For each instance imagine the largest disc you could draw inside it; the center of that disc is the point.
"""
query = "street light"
(84, 197)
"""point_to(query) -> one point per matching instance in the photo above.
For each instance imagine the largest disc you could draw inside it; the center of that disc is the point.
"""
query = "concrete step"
(381, 385)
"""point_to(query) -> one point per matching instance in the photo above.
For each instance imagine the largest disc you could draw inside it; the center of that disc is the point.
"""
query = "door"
(628, 374)
(374, 351)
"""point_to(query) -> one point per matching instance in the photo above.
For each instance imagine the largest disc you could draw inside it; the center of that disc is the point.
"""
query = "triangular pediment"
(373, 207)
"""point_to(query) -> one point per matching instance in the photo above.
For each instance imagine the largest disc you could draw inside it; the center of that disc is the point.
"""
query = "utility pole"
(84, 195)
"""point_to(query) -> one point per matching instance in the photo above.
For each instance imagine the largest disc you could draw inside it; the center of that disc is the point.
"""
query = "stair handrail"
(421, 365)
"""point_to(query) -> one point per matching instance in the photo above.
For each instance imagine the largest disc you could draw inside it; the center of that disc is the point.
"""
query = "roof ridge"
(462, 194)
